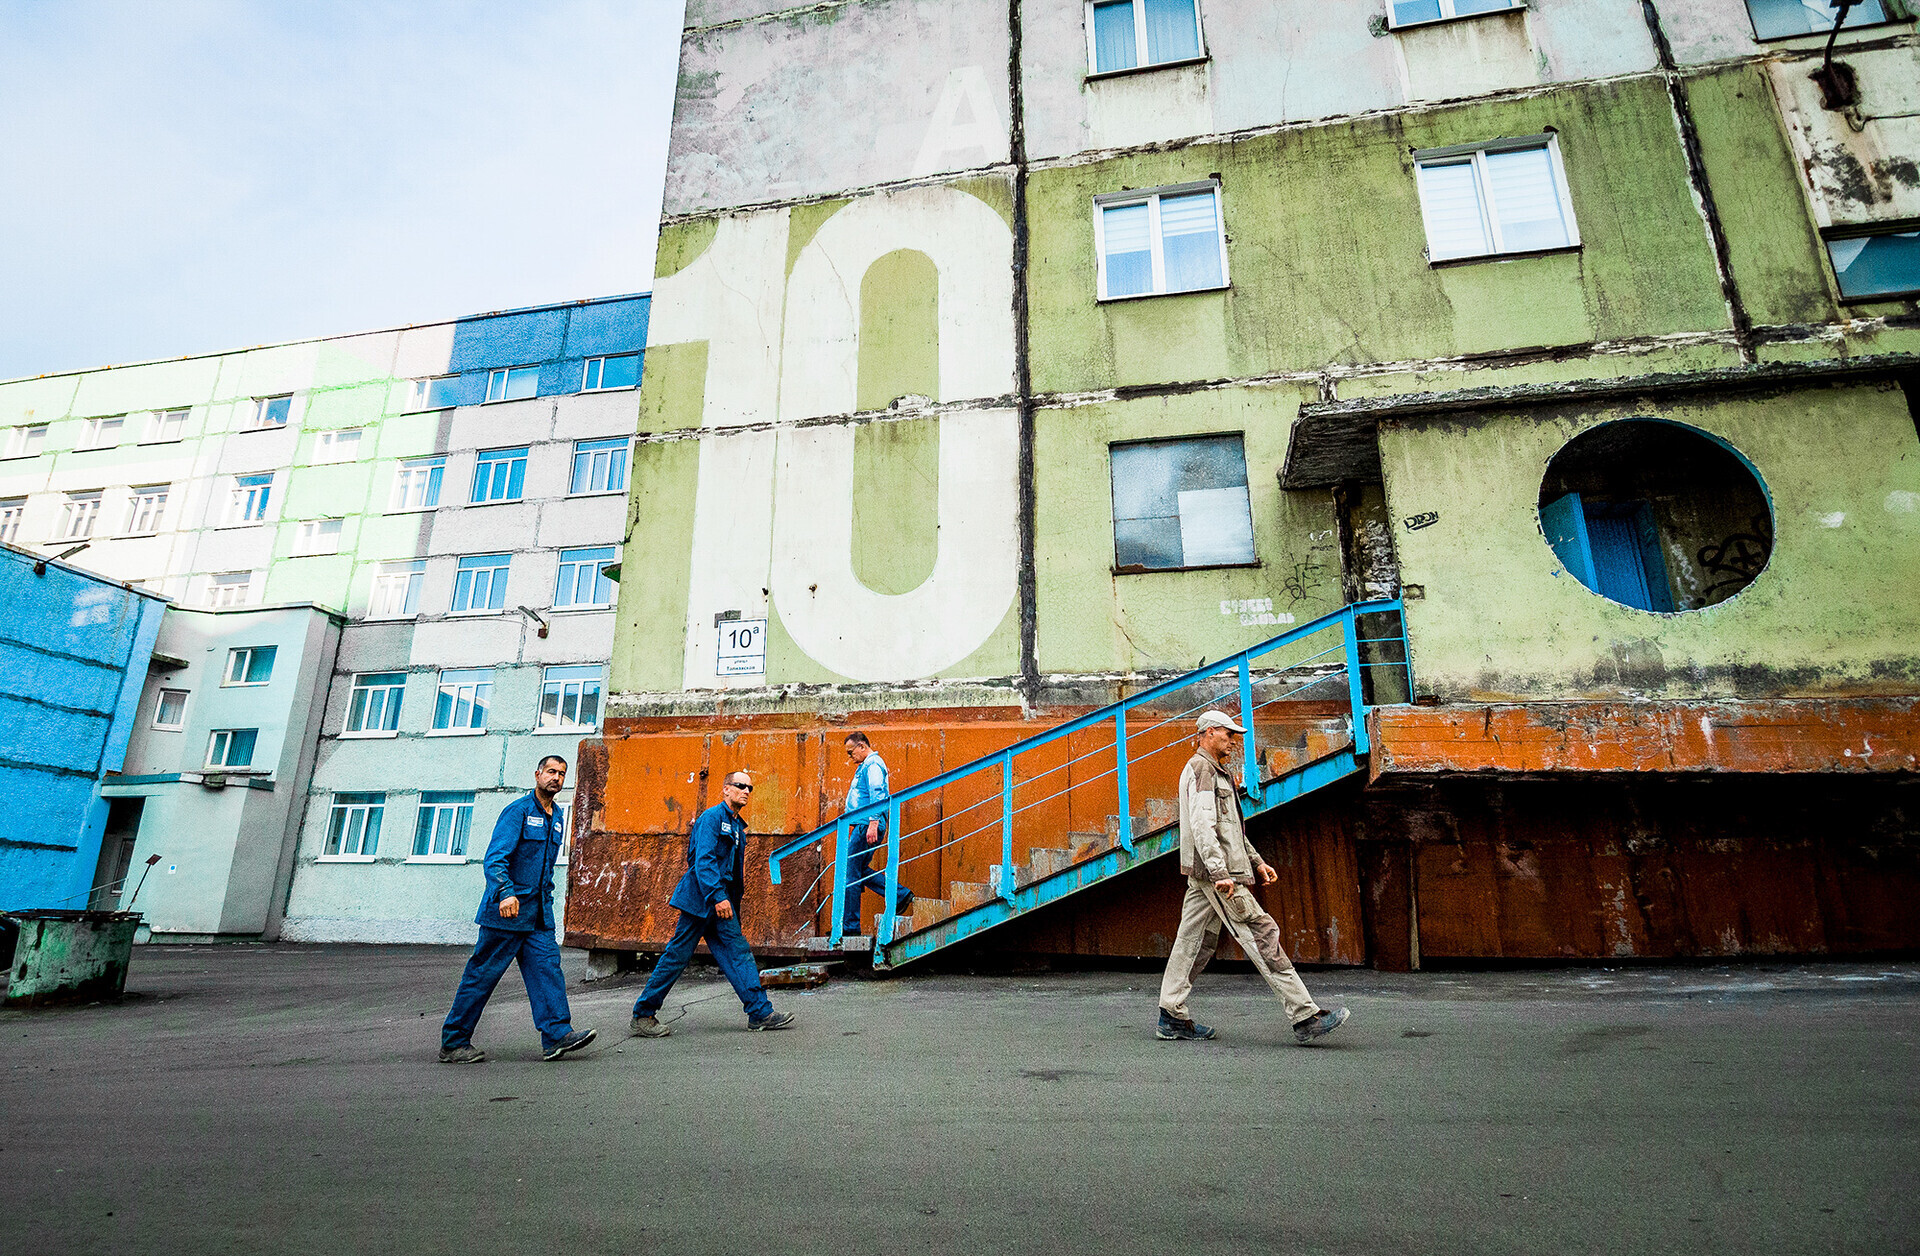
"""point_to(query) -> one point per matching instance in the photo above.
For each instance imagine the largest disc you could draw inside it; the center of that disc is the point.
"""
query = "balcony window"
(1169, 31)
(146, 509)
(440, 830)
(499, 475)
(416, 486)
(396, 589)
(353, 826)
(620, 371)
(600, 466)
(232, 747)
(1161, 240)
(1504, 197)
(1180, 504)
(570, 698)
(463, 699)
(249, 665)
(481, 583)
(513, 384)
(583, 578)
(373, 708)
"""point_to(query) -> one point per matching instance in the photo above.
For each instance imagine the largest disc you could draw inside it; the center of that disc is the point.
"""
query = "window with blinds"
(1508, 196)
(1120, 31)
(1161, 240)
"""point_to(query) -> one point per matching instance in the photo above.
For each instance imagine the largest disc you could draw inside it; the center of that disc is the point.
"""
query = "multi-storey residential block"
(450, 495)
(1009, 358)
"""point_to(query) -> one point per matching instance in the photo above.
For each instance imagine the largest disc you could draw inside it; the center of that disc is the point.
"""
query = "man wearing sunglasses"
(715, 877)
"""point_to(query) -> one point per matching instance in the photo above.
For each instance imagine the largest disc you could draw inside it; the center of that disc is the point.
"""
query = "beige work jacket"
(1213, 836)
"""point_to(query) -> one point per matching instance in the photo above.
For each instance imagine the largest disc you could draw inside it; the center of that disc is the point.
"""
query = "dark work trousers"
(862, 877)
(539, 957)
(730, 951)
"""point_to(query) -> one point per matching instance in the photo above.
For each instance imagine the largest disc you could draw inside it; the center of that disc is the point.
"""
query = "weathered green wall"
(1833, 612)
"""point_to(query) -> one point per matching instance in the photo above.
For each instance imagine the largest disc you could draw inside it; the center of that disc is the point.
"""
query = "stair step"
(967, 895)
(1089, 845)
(1160, 813)
(927, 912)
(1044, 861)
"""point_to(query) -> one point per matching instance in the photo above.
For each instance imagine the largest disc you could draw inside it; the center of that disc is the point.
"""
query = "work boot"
(462, 1055)
(648, 1027)
(1318, 1026)
(772, 1020)
(1174, 1029)
(572, 1042)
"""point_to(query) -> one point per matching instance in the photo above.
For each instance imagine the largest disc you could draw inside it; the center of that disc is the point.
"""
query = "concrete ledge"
(1847, 735)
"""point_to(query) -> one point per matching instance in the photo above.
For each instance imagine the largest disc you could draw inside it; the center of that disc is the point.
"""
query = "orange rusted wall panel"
(1853, 735)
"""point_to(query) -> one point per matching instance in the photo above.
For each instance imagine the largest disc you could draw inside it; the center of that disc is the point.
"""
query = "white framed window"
(481, 583)
(583, 578)
(12, 511)
(1420, 12)
(249, 665)
(416, 485)
(1160, 241)
(570, 698)
(249, 497)
(499, 475)
(440, 828)
(1118, 31)
(373, 708)
(231, 747)
(1180, 504)
(167, 425)
(442, 392)
(463, 699)
(514, 383)
(230, 588)
(339, 445)
(1504, 196)
(78, 515)
(317, 536)
(146, 509)
(170, 710)
(353, 827)
(104, 433)
(396, 589)
(1781, 19)
(271, 412)
(600, 466)
(620, 370)
(24, 442)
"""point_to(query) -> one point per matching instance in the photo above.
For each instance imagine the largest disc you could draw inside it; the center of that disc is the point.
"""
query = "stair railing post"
(1120, 773)
(1356, 701)
(839, 880)
(1007, 878)
(1249, 750)
(893, 871)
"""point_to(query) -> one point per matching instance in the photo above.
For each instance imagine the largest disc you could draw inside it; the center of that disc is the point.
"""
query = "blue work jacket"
(519, 864)
(716, 863)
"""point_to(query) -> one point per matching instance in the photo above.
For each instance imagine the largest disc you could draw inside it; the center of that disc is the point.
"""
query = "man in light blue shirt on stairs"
(864, 839)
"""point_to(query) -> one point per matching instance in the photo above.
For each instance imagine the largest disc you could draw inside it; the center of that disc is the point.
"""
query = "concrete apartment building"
(1008, 358)
(389, 555)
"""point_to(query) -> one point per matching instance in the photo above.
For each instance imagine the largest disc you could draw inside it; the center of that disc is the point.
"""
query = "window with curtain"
(499, 475)
(481, 583)
(1166, 30)
(1160, 241)
(353, 827)
(396, 588)
(1414, 12)
(440, 829)
(373, 709)
(416, 486)
(463, 700)
(1509, 196)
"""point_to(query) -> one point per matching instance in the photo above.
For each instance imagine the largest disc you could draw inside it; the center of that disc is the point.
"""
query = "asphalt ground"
(287, 1099)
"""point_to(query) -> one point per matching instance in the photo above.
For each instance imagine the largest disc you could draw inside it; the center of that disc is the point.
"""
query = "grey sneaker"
(772, 1020)
(572, 1042)
(1318, 1026)
(647, 1027)
(462, 1055)
(1173, 1029)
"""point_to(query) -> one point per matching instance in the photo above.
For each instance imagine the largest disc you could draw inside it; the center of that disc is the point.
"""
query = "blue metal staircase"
(1132, 749)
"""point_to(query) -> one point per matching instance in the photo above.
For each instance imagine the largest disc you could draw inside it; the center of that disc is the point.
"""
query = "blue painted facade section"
(557, 339)
(73, 660)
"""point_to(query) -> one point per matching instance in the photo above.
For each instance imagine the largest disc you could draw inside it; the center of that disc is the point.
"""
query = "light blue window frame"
(480, 584)
(583, 578)
(499, 475)
(600, 466)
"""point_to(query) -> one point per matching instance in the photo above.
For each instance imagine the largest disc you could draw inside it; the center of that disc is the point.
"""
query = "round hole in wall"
(1656, 515)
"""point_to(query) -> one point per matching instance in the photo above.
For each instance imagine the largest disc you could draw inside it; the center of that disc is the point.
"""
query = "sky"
(187, 176)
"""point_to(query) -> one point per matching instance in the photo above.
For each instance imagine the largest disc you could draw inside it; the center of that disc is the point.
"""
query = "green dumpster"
(68, 956)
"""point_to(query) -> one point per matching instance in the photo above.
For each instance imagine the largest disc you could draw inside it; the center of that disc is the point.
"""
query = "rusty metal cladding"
(1850, 735)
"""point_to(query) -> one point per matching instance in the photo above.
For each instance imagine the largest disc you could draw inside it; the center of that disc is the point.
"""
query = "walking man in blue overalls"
(516, 921)
(869, 785)
(716, 876)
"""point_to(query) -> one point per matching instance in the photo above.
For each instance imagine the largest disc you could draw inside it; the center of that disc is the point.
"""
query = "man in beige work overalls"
(1219, 863)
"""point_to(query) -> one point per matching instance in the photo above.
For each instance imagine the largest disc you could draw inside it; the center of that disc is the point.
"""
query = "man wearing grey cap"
(1220, 863)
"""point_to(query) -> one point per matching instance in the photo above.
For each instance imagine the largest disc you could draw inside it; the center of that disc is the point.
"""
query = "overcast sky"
(183, 176)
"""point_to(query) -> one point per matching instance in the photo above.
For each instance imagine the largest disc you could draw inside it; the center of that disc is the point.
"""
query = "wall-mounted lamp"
(40, 567)
(531, 614)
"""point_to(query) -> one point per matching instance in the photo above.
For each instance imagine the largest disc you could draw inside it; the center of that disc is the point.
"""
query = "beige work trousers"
(1201, 916)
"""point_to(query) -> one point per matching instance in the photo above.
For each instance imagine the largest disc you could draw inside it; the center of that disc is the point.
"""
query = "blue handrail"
(1240, 663)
